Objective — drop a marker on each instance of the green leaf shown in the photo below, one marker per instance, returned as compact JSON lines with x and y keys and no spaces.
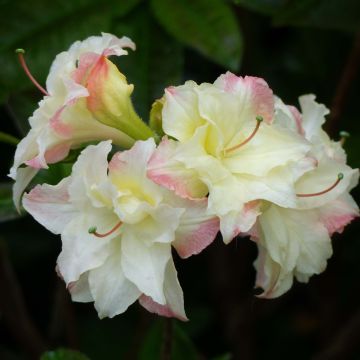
{"x":181,"y":346}
{"x":45,"y":30}
{"x":209,"y":26}
{"x":8,"y":139}
{"x":7,"y":208}
{"x":267,"y":7}
{"x":157,"y":62}
{"x":226,"y":356}
{"x":327,"y":14}
{"x":63,"y":354}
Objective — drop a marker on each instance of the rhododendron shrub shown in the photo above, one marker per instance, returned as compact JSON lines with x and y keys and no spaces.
{"x":227,"y":157}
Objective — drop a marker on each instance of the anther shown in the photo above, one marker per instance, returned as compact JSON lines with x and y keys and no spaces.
{"x":339,"y":178}
{"x":343,"y":136}
{"x":21,"y":53}
{"x":259,"y":120}
{"x":93,"y":230}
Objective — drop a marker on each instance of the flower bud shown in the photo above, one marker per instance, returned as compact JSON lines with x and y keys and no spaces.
{"x":109,"y":100}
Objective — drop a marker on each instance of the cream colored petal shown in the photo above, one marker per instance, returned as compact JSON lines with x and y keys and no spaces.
{"x":313,"y":115}
{"x":293,"y":241}
{"x":272,"y":146}
{"x":174,"y":306}
{"x":51,"y":206}
{"x":166,"y":170}
{"x":145,"y":265}
{"x":113,"y":293}
{"x":180,"y":111}
{"x":80,"y":290}
{"x":82,"y":251}
{"x":323,"y":177}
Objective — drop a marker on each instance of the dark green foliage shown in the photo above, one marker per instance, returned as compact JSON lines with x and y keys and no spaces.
{"x":63,"y":354}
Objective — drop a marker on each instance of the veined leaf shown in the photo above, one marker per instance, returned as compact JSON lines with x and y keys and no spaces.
{"x":209,"y":26}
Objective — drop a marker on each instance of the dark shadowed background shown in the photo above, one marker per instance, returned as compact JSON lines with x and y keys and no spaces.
{"x":298,"y":46}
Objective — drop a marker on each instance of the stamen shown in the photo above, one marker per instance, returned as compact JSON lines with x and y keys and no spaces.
{"x":339,"y":178}
{"x":21,"y":53}
{"x":259,"y":119}
{"x":343,"y":136}
{"x":92,"y":230}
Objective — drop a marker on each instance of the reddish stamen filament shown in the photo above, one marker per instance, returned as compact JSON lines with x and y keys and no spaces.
{"x":21,"y":53}
{"x":340,"y":177}
{"x":93,"y":231}
{"x":259,"y":119}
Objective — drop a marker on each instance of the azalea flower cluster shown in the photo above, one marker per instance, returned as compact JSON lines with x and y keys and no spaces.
{"x":226,"y":157}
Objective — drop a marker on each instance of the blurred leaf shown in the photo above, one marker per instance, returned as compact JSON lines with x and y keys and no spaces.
{"x":46,"y":29}
{"x":63,"y":354}
{"x":7,"y":208}
{"x":181,"y":347}
{"x":157,"y":63}
{"x":327,"y":14}
{"x":210,"y":26}
{"x":8,"y":139}
{"x":226,"y":356}
{"x":267,"y":7}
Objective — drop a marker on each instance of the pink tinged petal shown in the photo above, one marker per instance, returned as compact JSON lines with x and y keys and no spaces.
{"x":197,"y":230}
{"x":193,"y":238}
{"x":23,"y":178}
{"x":85,"y":64}
{"x":50,"y":205}
{"x":236,"y":222}
{"x":298,"y":119}
{"x":53,"y":155}
{"x":61,"y":129}
{"x":166,"y":171}
{"x":270,"y":277}
{"x":57,"y":153}
{"x":74,"y":92}
{"x":145,"y":265}
{"x":80,"y":290}
{"x":38,"y":162}
{"x":174,"y":306}
{"x":336,"y":214}
{"x":113,"y":293}
{"x":260,"y":95}
{"x":115,"y":45}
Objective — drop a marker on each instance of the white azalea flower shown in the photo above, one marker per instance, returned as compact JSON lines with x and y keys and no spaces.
{"x":128,"y":255}
{"x":296,"y":242}
{"x":87,"y":99}
{"x":227,"y":146}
